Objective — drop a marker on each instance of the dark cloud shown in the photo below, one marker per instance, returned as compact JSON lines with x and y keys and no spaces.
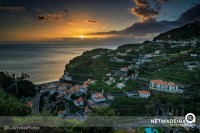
{"x":144,"y":11}
{"x":56,"y":17}
{"x":144,"y":28}
{"x":12,"y":8}
{"x":158,"y":3}
{"x":91,"y":21}
{"x":42,"y":18}
{"x":152,"y":26}
{"x":191,"y":14}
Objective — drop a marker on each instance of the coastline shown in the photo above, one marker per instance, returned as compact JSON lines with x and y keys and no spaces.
{"x":44,"y":63}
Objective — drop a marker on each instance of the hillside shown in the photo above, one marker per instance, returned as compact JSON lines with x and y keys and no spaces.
{"x":186,"y":32}
{"x":11,"y":106}
{"x":169,"y":61}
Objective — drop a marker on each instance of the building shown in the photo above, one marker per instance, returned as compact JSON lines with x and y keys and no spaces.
{"x":88,"y":82}
{"x":124,"y":69}
{"x":165,"y":86}
{"x":115,"y":59}
{"x":96,"y":56}
{"x":144,"y":94}
{"x":128,"y":50}
{"x":157,"y":52}
{"x":124,"y":78}
{"x":109,"y":97}
{"x":142,"y":60}
{"x":194,"y":55}
{"x":86,"y":109}
{"x":98,"y":97}
{"x":29,"y":104}
{"x":78,"y":102}
{"x":62,"y":86}
{"x":132,"y":93}
{"x":61,"y":113}
{"x":66,"y":77}
{"x":192,"y":66}
{"x":51,"y":88}
{"x":110,"y":81}
{"x":121,"y":54}
{"x":121,"y":85}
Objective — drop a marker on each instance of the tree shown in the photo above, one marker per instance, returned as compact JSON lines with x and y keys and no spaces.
{"x":53,"y":97}
{"x":26,"y":88}
{"x":10,"y":106}
{"x":74,"y":97}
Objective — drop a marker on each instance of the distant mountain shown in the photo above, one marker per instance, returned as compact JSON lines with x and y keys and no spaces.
{"x":186,"y":32}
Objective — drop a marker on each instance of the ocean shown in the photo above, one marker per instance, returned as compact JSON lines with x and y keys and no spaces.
{"x":43,"y":62}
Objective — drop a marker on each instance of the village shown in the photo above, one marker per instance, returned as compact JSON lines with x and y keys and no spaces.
{"x":63,"y":98}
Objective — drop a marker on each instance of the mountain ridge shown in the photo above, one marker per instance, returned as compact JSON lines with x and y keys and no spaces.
{"x":187,"y":32}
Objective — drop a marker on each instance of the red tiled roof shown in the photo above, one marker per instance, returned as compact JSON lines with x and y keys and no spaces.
{"x":88,"y":82}
{"x":29,"y":104}
{"x":50,"y":87}
{"x":143,"y":92}
{"x":61,"y":85}
{"x":59,"y":96}
{"x":163,"y":82}
{"x":75,"y":88}
{"x":61,"y":112}
{"x":98,"y":96}
{"x":79,"y":100}
{"x":124,"y":68}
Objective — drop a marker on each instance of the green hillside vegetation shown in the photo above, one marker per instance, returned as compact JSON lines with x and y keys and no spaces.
{"x":169,"y":67}
{"x":175,"y":72}
{"x":11,"y":106}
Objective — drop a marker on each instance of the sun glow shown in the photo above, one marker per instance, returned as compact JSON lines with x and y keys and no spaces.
{"x":81,"y":37}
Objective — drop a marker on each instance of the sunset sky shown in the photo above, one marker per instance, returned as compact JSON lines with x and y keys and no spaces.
{"x":91,"y":21}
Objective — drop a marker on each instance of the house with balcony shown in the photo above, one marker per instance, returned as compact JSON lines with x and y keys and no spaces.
{"x":165,"y":86}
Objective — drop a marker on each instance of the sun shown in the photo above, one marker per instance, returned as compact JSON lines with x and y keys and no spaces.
{"x":81,"y":37}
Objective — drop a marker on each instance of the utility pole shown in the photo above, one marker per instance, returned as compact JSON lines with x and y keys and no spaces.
{"x":1,"y":82}
{"x":16,"y":86}
{"x":168,"y":57}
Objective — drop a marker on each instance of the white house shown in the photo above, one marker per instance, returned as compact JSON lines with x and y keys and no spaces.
{"x":110,"y":81}
{"x":96,"y":56}
{"x":109,"y":97}
{"x":157,"y":52}
{"x":192,"y":66}
{"x":132,"y":93}
{"x":121,"y":54}
{"x":98,"y":97}
{"x":61,"y":113}
{"x":194,"y":55}
{"x":165,"y":86}
{"x":115,"y":59}
{"x":128,"y":50}
{"x":144,"y":94}
{"x":121,"y":85}
{"x":66,"y":77}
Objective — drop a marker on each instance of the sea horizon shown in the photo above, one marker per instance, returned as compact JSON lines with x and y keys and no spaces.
{"x":43,"y":62}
